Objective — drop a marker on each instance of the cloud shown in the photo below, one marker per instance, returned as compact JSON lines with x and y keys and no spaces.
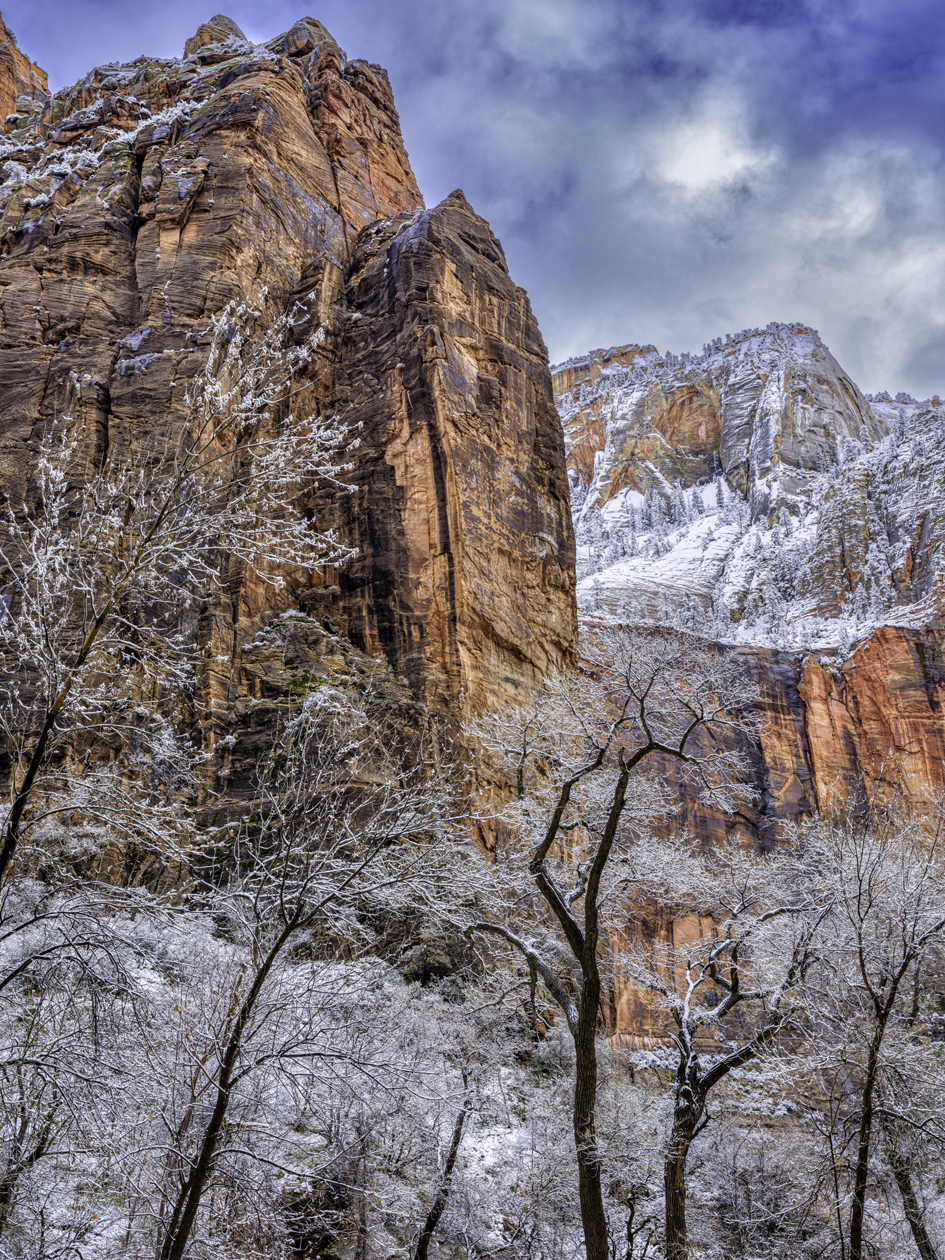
{"x":658,"y":170}
{"x":709,"y":150}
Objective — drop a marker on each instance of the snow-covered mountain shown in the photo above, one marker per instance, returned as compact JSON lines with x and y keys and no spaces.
{"x":753,"y":492}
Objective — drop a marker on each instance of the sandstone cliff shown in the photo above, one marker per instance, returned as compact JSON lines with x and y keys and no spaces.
{"x":828,"y":731}
{"x":462,"y":515}
{"x":137,"y":203}
{"x":23,"y":84}
{"x":752,"y":493}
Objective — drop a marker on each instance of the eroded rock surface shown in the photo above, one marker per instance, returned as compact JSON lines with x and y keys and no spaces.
{"x":754,"y":491}
{"x":137,"y":203}
{"x":829,"y":734}
{"x":462,"y":514}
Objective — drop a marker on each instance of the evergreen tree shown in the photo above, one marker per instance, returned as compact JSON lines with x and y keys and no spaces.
{"x":678,"y":511}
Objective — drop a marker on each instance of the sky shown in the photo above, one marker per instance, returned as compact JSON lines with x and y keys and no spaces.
{"x":660,"y":171}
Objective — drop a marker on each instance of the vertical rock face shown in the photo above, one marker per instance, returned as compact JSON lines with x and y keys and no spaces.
{"x":770,"y":407}
{"x":575,"y":380}
{"x":828,"y":732}
{"x":462,"y":515}
{"x":23,"y":84}
{"x":136,"y":204}
{"x":879,"y":720}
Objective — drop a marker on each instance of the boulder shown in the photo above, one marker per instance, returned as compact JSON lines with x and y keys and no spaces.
{"x":219,"y":30}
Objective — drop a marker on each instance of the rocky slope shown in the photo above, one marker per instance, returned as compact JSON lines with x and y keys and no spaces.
{"x":137,"y":203}
{"x":754,"y":491}
{"x":755,"y":495}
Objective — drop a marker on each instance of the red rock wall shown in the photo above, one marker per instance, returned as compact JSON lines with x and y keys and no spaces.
{"x":123,"y":230}
{"x":466,"y":567}
{"x":825,"y":733}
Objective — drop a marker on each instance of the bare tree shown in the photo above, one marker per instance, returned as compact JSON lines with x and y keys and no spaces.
{"x":733,"y":977}
{"x":886,"y":871}
{"x":97,"y":575}
{"x":445,"y":1181}
{"x":574,"y":759}
{"x":343,"y":829}
{"x":67,"y":984}
{"x":101,"y":572}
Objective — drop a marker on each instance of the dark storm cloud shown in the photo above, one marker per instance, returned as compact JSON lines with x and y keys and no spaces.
{"x":658,"y":170}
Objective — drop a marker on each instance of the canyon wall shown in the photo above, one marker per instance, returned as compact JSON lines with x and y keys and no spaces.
{"x":137,"y":203}
{"x":755,"y":496}
{"x":462,"y":516}
{"x":828,"y":735}
{"x":752,"y":494}
{"x":829,"y":732}
{"x":756,"y":488}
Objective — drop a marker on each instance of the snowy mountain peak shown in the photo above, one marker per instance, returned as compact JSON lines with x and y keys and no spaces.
{"x":752,"y":490}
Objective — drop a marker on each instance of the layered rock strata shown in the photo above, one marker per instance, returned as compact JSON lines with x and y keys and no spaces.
{"x":755,"y":490}
{"x":136,"y":204}
{"x":828,"y":732}
{"x":23,"y":84}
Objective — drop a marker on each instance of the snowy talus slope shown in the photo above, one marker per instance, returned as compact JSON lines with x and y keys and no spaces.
{"x":753,"y":492}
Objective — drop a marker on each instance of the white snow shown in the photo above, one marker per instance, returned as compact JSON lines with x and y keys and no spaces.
{"x":749,"y":567}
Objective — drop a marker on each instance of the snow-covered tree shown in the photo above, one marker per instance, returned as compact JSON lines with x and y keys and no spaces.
{"x":102,"y":572}
{"x":576,"y":756}
{"x":678,"y":512}
{"x":185,"y":1047}
{"x":729,"y":985}
{"x":885,"y":871}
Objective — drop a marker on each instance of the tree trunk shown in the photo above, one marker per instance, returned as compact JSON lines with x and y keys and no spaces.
{"x":910,"y":1200}
{"x":7,"y":1186}
{"x":17,"y":1165}
{"x":863,"y":1148}
{"x":593,"y":1216}
{"x":685,"y":1119}
{"x":184,"y":1214}
{"x":442,"y":1194}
